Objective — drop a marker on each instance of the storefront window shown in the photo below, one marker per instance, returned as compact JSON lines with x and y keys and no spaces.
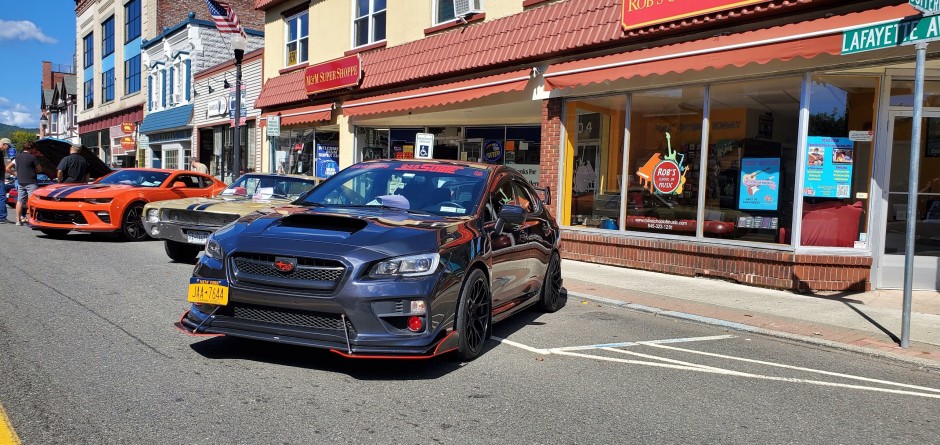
{"x":596,"y":161}
{"x":372,"y":143}
{"x":902,"y":93}
{"x":307,"y":151}
{"x":665,"y":151}
{"x":838,"y":165}
{"x":752,"y":147}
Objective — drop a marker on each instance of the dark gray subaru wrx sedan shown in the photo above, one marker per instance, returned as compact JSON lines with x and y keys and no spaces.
{"x":386,"y":259}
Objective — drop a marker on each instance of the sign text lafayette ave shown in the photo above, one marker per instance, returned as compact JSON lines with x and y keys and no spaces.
{"x":887,"y":35}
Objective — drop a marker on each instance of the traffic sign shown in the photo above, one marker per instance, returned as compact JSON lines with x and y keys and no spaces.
{"x":274,"y":126}
{"x":926,"y":6}
{"x":888,"y":35}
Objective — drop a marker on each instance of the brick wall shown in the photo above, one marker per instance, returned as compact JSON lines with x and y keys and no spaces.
{"x":758,"y":267}
{"x":550,"y":148}
{"x":171,"y":12}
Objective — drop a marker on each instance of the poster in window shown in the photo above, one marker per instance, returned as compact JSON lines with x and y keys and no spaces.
{"x":760,"y":184}
{"x":828,"y":167}
{"x":327,"y":160}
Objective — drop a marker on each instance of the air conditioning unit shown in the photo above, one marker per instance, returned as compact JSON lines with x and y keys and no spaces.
{"x":464,"y":8}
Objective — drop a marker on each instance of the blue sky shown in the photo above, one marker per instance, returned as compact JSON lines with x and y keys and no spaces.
{"x":31,"y":31}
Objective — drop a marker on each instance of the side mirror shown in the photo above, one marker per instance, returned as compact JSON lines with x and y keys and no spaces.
{"x":178,"y":185}
{"x":512,"y":214}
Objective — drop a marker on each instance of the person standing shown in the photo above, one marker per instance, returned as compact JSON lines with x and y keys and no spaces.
{"x":199,"y":167}
{"x":73,"y":168}
{"x":25,"y":170}
{"x":5,"y":145}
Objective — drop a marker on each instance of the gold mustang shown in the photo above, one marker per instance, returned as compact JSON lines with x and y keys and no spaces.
{"x":185,"y":224}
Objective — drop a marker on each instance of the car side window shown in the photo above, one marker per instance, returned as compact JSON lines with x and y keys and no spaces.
{"x":192,"y":182}
{"x":502,"y":194}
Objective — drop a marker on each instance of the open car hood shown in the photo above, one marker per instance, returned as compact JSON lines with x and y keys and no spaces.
{"x":53,"y":150}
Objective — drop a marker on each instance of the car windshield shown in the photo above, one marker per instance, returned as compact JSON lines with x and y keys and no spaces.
{"x":138,"y":178}
{"x":434,"y":188}
{"x":261,"y":187}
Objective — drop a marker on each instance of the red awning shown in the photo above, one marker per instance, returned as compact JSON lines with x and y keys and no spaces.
{"x":805,"y":39}
{"x":439,"y":95}
{"x":304,"y":115}
{"x":135,"y":115}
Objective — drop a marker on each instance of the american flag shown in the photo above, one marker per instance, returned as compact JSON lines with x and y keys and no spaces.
{"x":225,"y":19}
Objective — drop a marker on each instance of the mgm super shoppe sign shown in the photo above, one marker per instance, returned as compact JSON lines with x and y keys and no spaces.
{"x":891,"y":34}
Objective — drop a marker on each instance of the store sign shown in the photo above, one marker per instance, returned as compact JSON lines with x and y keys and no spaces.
{"x":640,"y":13}
{"x":128,"y":127}
{"x":128,"y":143}
{"x":664,"y":175}
{"x":327,"y":160}
{"x":926,"y":6}
{"x":828,"y":167}
{"x":492,"y":151}
{"x":345,"y":72}
{"x":861,"y":136}
{"x":892,"y":34}
{"x":425,"y":144}
{"x":760,"y":184}
{"x":216,"y":107}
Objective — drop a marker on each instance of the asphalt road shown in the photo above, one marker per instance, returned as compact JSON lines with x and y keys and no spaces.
{"x":88,"y":355}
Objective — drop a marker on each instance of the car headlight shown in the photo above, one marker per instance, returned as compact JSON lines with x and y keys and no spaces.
{"x":153,"y":215}
{"x":98,"y":200}
{"x":407,"y":266}
{"x":214,"y":250}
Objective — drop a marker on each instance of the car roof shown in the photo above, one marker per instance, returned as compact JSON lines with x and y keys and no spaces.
{"x":480,"y":165}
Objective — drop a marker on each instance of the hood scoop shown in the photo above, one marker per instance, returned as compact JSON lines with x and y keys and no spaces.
{"x":323,"y":222}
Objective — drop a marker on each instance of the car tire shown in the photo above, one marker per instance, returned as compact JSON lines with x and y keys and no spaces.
{"x":474,"y":316}
{"x":550,"y":297}
{"x":181,"y":252}
{"x":55,"y":233}
{"x":132,"y":226}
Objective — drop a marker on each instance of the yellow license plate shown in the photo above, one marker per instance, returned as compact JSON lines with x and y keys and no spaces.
{"x":208,"y":291}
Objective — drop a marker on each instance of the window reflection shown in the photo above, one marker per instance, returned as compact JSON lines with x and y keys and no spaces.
{"x":596,"y":133}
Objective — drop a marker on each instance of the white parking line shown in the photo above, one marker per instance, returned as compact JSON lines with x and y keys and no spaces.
{"x":664,"y":362}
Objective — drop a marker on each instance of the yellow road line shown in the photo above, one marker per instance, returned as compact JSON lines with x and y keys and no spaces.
{"x":7,"y":434}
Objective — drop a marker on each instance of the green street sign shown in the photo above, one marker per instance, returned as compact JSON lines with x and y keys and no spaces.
{"x":926,"y":6}
{"x":888,"y":35}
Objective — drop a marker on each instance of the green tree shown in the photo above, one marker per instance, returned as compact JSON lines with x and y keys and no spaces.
{"x":21,"y":137}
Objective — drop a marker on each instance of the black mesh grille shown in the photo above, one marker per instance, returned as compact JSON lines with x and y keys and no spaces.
{"x":307,"y":269}
{"x":197,"y":217}
{"x":60,"y":217}
{"x":316,"y":320}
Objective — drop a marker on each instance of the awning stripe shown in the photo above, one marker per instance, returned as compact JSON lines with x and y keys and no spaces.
{"x":439,"y":95}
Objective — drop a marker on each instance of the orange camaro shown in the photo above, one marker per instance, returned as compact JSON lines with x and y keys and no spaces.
{"x":115,"y":202}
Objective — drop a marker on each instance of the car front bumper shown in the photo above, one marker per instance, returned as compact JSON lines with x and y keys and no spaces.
{"x":176,"y":232}
{"x":70,"y":215}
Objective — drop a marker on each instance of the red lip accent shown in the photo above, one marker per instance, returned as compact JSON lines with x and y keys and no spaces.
{"x":284,"y":266}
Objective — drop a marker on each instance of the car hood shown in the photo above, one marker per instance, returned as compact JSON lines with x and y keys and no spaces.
{"x":86,"y":191}
{"x":338,"y":232}
{"x":233,"y":205}
{"x":52,"y":150}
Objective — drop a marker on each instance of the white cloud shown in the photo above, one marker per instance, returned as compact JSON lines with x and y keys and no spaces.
{"x":17,"y":114}
{"x":22,"y":30}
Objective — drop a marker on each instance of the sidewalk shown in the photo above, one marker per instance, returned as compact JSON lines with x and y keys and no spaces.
{"x":867,"y":322}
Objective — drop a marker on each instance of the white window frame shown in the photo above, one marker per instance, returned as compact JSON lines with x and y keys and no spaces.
{"x":54,"y":123}
{"x":435,"y":5}
{"x":302,"y":17}
{"x":179,"y":82}
{"x":156,"y":91}
{"x":370,"y":18}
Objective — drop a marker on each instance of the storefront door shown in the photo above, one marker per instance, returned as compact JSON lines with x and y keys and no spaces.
{"x":895,"y":199}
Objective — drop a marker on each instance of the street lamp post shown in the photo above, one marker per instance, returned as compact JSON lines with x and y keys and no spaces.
{"x":43,"y":124}
{"x":238,"y":46}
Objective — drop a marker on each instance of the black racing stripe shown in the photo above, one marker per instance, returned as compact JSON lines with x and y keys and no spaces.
{"x":56,"y":192}
{"x":74,"y":189}
{"x":192,"y":206}
{"x":206,"y":206}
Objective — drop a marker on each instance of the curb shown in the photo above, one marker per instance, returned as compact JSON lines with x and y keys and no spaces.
{"x":928,"y":364}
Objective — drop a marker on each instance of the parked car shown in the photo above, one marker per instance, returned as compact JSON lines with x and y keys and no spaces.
{"x":185,"y":224}
{"x":405,"y":258}
{"x":115,"y":202}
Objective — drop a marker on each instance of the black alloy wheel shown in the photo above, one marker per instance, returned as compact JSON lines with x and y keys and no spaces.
{"x":181,"y":252}
{"x":474,"y":316}
{"x":550,"y":299}
{"x":55,"y":233}
{"x":132,"y":227}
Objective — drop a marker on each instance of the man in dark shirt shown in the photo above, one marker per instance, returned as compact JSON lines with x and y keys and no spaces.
{"x":73,"y":168}
{"x":25,"y":169}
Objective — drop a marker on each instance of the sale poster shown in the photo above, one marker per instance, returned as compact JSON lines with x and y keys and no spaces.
{"x":760,"y":184}
{"x":828,"y":167}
